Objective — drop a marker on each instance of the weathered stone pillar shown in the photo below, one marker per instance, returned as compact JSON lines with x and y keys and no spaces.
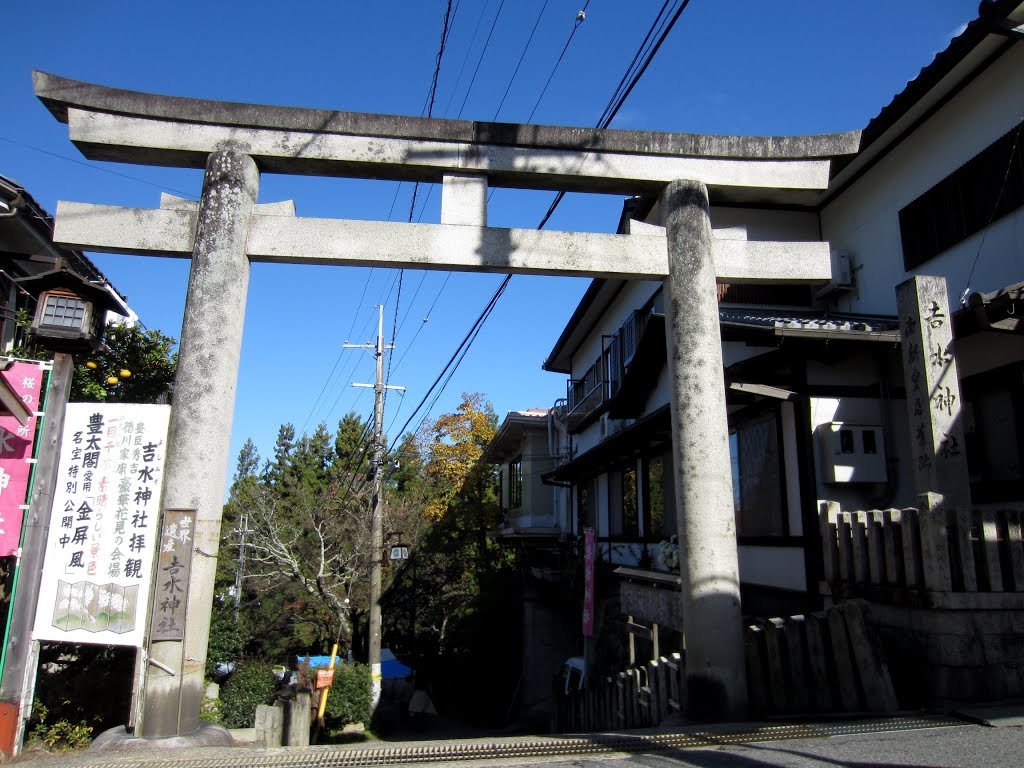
{"x":712,"y":621}
{"x":933,"y":390}
{"x":200,"y":430}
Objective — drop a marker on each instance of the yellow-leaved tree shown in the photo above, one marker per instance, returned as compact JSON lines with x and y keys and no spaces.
{"x":452,"y":446}
{"x":451,"y":606}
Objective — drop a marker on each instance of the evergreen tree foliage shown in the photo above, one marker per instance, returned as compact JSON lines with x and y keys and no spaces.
{"x":448,"y":610}
{"x":306,"y":522}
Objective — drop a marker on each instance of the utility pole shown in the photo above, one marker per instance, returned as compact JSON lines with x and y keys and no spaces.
{"x":377,"y":514}
{"x":240,"y":569}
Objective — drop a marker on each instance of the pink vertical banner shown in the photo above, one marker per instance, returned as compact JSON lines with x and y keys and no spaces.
{"x":589,"y":558}
{"x":16,"y":441}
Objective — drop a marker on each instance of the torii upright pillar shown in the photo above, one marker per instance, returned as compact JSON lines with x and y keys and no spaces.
{"x":199,"y":436}
{"x":716,"y":685}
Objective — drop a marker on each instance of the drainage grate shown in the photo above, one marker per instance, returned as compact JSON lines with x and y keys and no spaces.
{"x":881,"y":725}
{"x":330,"y":757}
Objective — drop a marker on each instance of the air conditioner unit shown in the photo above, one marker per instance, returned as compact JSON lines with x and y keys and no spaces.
{"x":842,"y":276}
{"x":609,"y":426}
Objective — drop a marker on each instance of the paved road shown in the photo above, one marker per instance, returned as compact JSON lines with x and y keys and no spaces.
{"x":964,"y":747}
{"x":868,"y":744}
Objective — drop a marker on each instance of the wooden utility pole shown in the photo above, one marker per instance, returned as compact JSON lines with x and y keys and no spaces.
{"x":377,"y":513}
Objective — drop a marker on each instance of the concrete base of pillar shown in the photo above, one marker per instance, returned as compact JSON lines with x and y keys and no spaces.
{"x":119,"y":740}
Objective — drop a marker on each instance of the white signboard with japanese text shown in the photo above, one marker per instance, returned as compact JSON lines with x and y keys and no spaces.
{"x":104,"y":524}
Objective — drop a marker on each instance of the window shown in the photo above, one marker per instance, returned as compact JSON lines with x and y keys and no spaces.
{"x":870,"y":443}
{"x":659,"y":522}
{"x":846,"y":440}
{"x":630,"y":503}
{"x":63,"y":311}
{"x":980,"y":192}
{"x":515,"y":484}
{"x":586,"y":504}
{"x":639,"y":498}
{"x":757,"y":479}
{"x":994,"y":433}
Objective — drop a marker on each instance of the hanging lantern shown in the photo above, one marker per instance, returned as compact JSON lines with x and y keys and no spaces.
{"x":70,"y":311}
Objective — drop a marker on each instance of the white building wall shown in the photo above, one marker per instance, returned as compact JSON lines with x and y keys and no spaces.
{"x":898,"y":491}
{"x":864,"y":220}
{"x":538,"y":499}
{"x":779,"y":567}
{"x":764,"y":225}
{"x":503,"y":495}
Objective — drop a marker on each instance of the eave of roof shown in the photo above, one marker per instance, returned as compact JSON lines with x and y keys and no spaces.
{"x":873,"y":143}
{"x":810,"y":325}
{"x":970,"y":52}
{"x":34,"y":216}
{"x":598,"y":296}
{"x":998,"y":311}
{"x":506,"y":441}
{"x":652,"y":430}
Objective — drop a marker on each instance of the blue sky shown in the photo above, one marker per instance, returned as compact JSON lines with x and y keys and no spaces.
{"x":729,"y":66}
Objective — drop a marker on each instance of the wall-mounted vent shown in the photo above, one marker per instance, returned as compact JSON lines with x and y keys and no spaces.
{"x":852,"y":453}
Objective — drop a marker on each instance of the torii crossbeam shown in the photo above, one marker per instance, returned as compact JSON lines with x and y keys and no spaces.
{"x":227,"y":230}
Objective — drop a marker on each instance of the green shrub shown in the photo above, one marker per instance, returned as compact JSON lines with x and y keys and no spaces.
{"x":210,"y":711}
{"x":349,"y":700}
{"x":226,"y":637}
{"x":251,"y":684}
{"x":58,"y":736}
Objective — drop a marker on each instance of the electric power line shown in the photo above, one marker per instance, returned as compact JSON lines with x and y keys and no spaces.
{"x":579,"y":20}
{"x":480,"y":60}
{"x":521,"y":57}
{"x":619,"y":97}
{"x":95,"y":167}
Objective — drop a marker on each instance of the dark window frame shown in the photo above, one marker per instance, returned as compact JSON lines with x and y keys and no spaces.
{"x":985,"y":487}
{"x":979,"y":193}
{"x":515,"y":484}
{"x":738,"y":421}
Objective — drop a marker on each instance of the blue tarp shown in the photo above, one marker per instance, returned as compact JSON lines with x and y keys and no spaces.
{"x":390,"y":667}
{"x":318,"y":661}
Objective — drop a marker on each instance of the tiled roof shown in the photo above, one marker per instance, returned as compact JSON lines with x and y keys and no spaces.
{"x":784,"y":322}
{"x":990,"y":12}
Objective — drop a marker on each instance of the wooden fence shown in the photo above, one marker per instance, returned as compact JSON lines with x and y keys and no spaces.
{"x":931,"y":548}
{"x":640,"y":697}
{"x":823,"y":662}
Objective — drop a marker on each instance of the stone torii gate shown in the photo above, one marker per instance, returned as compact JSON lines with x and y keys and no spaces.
{"x":227,"y":230}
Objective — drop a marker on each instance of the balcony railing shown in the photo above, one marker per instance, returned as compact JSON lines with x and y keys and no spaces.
{"x":586,"y":394}
{"x":590,"y":394}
